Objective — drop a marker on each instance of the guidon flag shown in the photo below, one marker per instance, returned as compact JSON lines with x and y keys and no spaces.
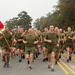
{"x":1,"y":25}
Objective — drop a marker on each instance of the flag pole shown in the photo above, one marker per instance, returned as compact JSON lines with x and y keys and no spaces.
{"x":1,"y":27}
{"x":6,"y":40}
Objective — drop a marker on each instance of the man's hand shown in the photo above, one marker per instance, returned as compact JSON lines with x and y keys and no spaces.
{"x":69,"y":37}
{"x":19,"y":40}
{"x":14,"y":40}
{"x":57,"y":45}
{"x":50,"y":41}
{"x":35,"y":42}
{"x":25,"y":42}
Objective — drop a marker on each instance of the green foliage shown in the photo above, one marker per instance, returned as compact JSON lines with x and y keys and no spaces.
{"x":38,"y":22}
{"x":63,"y":16}
{"x":22,"y":20}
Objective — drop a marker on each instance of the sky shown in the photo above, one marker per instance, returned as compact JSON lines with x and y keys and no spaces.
{"x":34,"y":8}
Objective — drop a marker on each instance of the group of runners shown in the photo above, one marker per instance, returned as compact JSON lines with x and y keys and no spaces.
{"x":28,"y":44}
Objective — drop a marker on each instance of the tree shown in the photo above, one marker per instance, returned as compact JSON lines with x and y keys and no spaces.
{"x":63,"y":16}
{"x":12,"y":23}
{"x":67,"y":11}
{"x":38,"y":22}
{"x":22,"y":20}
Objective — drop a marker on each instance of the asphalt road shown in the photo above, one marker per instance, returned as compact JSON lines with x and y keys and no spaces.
{"x":38,"y":67}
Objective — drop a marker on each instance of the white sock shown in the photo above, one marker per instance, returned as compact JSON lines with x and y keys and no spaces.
{"x":52,"y":67}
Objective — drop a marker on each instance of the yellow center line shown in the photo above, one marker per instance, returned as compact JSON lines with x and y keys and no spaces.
{"x":73,"y":57}
{"x":73,"y":60}
{"x":63,"y":68}
{"x":67,"y":67}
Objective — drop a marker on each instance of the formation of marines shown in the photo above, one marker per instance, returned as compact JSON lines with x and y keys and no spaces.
{"x":28,"y":44}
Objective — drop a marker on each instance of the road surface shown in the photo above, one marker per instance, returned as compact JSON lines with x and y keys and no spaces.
{"x":38,"y":67}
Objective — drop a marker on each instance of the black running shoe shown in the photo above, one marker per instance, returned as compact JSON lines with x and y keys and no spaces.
{"x":30,"y":67}
{"x":39,"y":53}
{"x":23,"y":56}
{"x":74,"y":52}
{"x":16,"y":54}
{"x":56,"y":62}
{"x":44,"y":60}
{"x":5,"y":64}
{"x":52,"y":69}
{"x":20,"y":60}
{"x":49,"y":67}
{"x":36,"y":55}
{"x":60,"y":57}
{"x":67,"y":60}
{"x":28,"y":62}
{"x":34,"y":58}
